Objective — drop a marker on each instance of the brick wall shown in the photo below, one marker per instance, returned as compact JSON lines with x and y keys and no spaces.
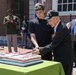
{"x":3,"y":9}
{"x":4,"y":5}
{"x":48,"y":5}
{"x":26,"y":8}
{"x":67,"y":18}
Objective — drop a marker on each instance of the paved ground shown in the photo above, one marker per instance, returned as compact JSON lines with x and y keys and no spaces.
{"x":5,"y":49}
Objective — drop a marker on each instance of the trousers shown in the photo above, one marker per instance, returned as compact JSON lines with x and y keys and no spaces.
{"x":12,"y":39}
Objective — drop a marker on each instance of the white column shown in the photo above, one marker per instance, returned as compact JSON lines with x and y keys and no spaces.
{"x":43,"y":1}
{"x":31,"y":9}
{"x":54,"y":4}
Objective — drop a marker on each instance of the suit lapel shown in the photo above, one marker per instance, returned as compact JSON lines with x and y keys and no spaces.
{"x":59,"y":27}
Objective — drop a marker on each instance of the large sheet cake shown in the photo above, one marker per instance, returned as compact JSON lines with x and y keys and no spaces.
{"x":20,"y":59}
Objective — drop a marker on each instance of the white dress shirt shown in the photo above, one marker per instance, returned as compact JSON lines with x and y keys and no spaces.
{"x":56,"y":27}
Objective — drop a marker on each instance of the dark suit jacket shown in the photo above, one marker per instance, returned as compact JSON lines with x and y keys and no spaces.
{"x":61,"y":46}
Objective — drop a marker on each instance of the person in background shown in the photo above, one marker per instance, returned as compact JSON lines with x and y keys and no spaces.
{"x":12,"y":24}
{"x":61,"y":44}
{"x":24,"y":30}
{"x":40,"y":33}
{"x":72,"y":27}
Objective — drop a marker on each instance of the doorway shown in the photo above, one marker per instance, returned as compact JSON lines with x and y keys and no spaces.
{"x":18,"y":8}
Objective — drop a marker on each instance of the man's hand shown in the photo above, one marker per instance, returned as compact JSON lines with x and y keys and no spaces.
{"x":35,"y":51}
{"x":10,"y":21}
{"x":68,"y":25}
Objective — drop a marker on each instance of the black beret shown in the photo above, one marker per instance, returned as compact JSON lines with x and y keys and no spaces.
{"x":51,"y":13}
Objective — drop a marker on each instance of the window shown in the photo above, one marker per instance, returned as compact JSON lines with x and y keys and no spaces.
{"x":66,"y":5}
{"x":17,"y":5}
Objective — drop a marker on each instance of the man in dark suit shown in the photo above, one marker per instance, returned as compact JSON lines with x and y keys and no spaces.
{"x":61,"y":44}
